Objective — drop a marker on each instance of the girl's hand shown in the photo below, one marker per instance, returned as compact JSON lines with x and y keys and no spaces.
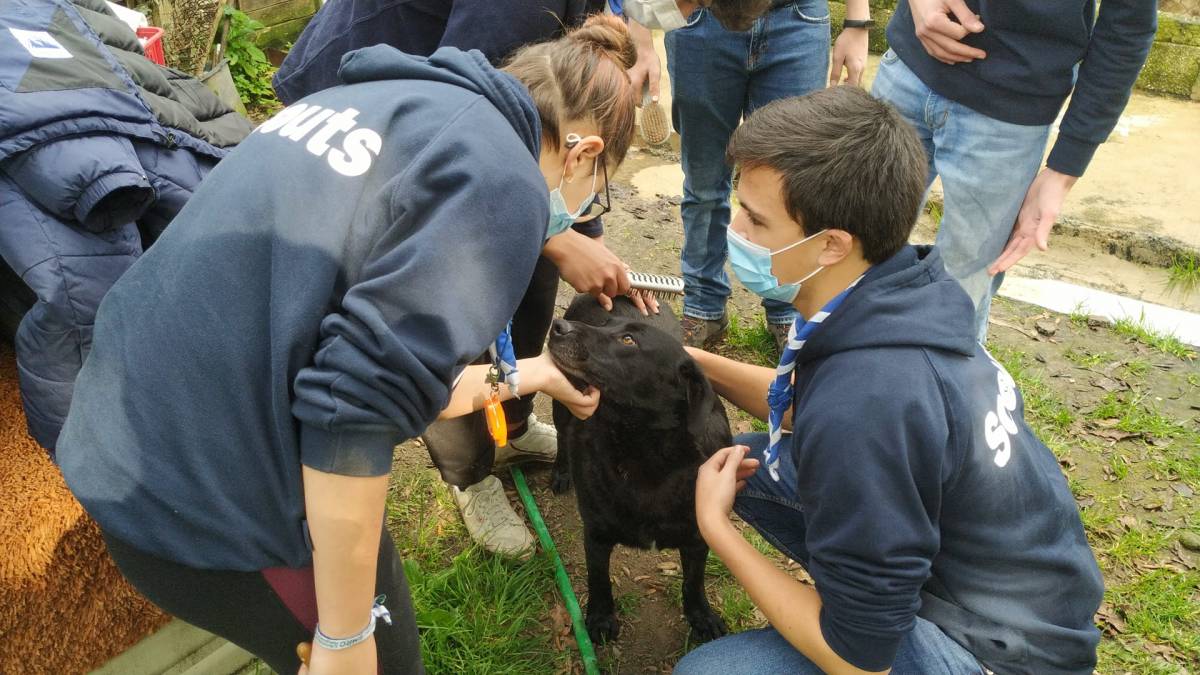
{"x":357,"y":660}
{"x":718,"y":482}
{"x":554,"y":384}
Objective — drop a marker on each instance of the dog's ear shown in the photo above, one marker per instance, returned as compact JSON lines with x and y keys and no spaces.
{"x":700,"y":397}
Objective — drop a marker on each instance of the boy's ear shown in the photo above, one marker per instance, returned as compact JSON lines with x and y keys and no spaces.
{"x":839,"y":245}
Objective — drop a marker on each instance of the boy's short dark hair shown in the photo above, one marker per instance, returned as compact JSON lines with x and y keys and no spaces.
{"x":848,"y":161}
{"x":737,"y":15}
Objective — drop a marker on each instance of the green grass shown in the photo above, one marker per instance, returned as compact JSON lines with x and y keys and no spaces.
{"x":478,"y":613}
{"x":1079,"y":315}
{"x":1141,"y":541}
{"x":1137,"y":367}
{"x":1163,"y":606}
{"x":1135,"y":415}
{"x":1168,"y":344}
{"x":1183,"y":276}
{"x":750,"y":341}
{"x":736,"y":607}
{"x":1086,"y":359}
{"x":1046,"y":412}
{"x":935,"y":211}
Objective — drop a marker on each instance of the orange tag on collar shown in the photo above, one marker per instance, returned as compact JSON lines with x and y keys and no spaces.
{"x":497,"y":425}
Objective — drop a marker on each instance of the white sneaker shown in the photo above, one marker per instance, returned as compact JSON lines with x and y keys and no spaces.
{"x":539,"y":443}
{"x":491,"y":520}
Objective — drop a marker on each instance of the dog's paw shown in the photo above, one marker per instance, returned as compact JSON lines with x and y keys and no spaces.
{"x":707,"y":626}
{"x":602,"y":627}
{"x":560,"y":482}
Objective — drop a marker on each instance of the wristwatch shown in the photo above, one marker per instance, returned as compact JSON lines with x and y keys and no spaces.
{"x":858,"y":23}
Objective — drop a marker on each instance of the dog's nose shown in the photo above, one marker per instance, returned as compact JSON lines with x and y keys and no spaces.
{"x":560,"y":327}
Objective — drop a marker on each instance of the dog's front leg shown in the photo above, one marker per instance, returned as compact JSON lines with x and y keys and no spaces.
{"x":560,"y":476}
{"x":602,"y":624}
{"x":706,"y":624}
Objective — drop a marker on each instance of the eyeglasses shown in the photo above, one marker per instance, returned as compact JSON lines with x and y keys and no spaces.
{"x":598,"y":207}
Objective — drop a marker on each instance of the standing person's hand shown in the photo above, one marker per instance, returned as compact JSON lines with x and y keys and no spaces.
{"x":646,"y":71}
{"x":1036,"y":218}
{"x":357,"y":660}
{"x":850,"y":54}
{"x":940,"y":35}
{"x":588,"y":266}
{"x":718,"y":482}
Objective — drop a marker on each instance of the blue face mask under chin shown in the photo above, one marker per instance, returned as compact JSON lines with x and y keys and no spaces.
{"x":751,"y":264}
{"x":560,"y":217}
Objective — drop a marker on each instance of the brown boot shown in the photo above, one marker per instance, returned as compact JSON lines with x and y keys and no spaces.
{"x":703,"y":333}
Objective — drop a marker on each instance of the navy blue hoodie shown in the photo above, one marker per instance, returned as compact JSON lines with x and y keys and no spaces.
{"x":924,"y":491}
{"x":1033,"y":48}
{"x":494,"y":27}
{"x":310,"y":305}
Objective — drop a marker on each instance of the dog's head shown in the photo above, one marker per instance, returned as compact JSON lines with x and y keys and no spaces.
{"x":635,"y":366}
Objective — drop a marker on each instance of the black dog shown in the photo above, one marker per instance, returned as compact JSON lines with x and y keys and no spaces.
{"x":634,"y":461}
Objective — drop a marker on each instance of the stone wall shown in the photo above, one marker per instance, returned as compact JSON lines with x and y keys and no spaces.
{"x":1173,"y":67}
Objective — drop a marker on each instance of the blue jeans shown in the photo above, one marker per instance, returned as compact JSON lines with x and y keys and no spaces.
{"x":717,"y":77}
{"x":772,"y":508}
{"x":986,"y":167}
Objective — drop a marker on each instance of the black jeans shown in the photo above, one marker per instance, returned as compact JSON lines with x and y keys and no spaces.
{"x":269,"y":612}
{"x":461,"y":448}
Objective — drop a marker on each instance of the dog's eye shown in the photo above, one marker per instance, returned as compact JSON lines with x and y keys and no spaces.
{"x":628,"y":341}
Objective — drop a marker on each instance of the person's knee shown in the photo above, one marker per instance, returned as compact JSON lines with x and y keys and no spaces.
{"x":703,"y":660}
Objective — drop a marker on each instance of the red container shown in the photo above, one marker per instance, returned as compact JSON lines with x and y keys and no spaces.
{"x":153,"y":47}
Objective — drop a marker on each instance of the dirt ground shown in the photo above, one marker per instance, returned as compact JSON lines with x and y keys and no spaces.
{"x":1129,"y":480}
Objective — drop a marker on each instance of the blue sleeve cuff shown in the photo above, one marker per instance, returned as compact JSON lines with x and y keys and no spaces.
{"x":592,"y":228}
{"x":113,"y":199}
{"x":866,"y":652}
{"x":348,"y":453}
{"x":1071,"y":156}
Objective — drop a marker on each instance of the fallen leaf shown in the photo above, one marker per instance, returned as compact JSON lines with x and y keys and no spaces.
{"x":1108,"y":384}
{"x":1129,"y":522}
{"x":1161,"y":650}
{"x":1113,"y":434}
{"x":560,"y":625}
{"x":641,"y":577}
{"x":1112,"y":622}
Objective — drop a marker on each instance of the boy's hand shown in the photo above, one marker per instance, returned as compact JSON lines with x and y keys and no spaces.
{"x":718,"y":482}
{"x":1036,"y":218}
{"x":850,"y":53}
{"x":941,"y":36}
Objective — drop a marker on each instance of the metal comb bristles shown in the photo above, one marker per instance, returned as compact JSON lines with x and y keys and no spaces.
{"x":661,"y":285}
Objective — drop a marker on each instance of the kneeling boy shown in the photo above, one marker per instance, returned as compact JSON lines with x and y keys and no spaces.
{"x":939,"y":531}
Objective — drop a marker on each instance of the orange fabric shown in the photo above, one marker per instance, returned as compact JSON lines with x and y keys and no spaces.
{"x":64,"y":606}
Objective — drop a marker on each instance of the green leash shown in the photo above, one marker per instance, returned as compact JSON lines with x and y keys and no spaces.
{"x":586,"y":651}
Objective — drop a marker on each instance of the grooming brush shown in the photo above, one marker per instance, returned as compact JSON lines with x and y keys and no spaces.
{"x":660,"y":285}
{"x":655,"y":128}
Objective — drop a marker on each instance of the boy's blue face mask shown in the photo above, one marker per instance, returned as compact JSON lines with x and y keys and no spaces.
{"x":751,"y":264}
